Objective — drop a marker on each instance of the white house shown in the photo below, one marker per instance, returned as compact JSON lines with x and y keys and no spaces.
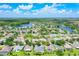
{"x":67,"y":46}
{"x":76,"y":44}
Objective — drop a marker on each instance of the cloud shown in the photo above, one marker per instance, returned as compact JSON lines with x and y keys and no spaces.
{"x":5,"y":6}
{"x":77,"y":12}
{"x":63,"y":11}
{"x":16,"y":11}
{"x":46,"y":11}
{"x":25,"y":7}
{"x":1,"y":11}
{"x":52,"y":11}
{"x":57,"y":5}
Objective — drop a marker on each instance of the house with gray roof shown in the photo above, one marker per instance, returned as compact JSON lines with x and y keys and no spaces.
{"x":57,"y":47}
{"x":39,"y":48}
{"x":18,"y":48}
{"x":5,"y":50}
{"x":28,"y":48}
{"x":50,"y":48}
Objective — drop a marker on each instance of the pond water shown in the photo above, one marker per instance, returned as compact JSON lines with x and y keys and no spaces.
{"x":66,"y":28}
{"x":25,"y":25}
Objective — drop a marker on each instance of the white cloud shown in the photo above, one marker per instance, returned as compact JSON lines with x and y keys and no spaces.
{"x":77,"y":12}
{"x":62,"y":11}
{"x":25,"y":7}
{"x":17,"y":11}
{"x":47,"y":11}
{"x":1,"y":11}
{"x":5,"y":6}
{"x":57,"y":5}
{"x":52,"y":11}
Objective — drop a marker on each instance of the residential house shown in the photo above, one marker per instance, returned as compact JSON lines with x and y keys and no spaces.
{"x":18,"y":48}
{"x":28,"y":48}
{"x":57,"y":47}
{"x":68,"y":46}
{"x":57,"y":39}
{"x":39,"y":48}
{"x":50,"y":48}
{"x":35,"y":40}
{"x":42,"y":39}
{"x":19,"y":39}
{"x":5,"y":50}
{"x":76,"y":44}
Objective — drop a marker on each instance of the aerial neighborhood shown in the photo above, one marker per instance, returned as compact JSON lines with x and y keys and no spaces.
{"x":39,"y":38}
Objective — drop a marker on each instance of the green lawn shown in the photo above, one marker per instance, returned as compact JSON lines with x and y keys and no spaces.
{"x":73,"y":52}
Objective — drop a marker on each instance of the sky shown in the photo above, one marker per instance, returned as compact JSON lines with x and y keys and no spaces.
{"x":39,"y":10}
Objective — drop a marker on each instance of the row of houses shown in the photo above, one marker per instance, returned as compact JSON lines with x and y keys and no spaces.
{"x":52,"y":47}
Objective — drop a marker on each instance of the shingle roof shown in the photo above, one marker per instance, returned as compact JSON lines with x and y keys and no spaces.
{"x":28,"y":48}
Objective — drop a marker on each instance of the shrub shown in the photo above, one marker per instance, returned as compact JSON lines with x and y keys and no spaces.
{"x":9,"y":41}
{"x":46,"y":43}
{"x":60,"y":42}
{"x":59,"y":53}
{"x":28,"y":42}
{"x":52,"y":41}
